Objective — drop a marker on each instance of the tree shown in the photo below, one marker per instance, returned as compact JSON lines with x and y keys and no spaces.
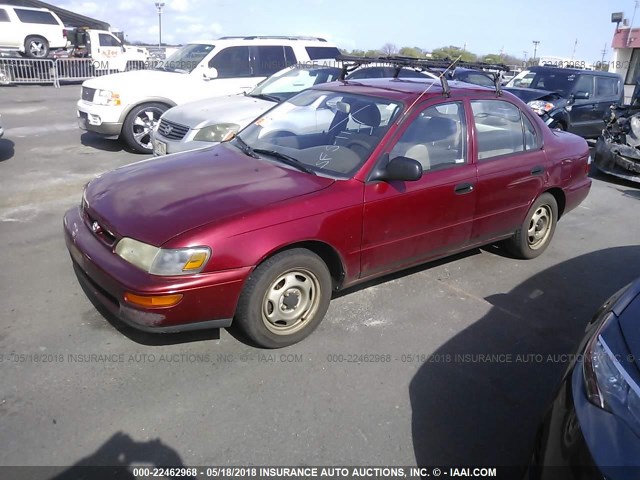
{"x":453,"y":53}
{"x":411,"y":52}
{"x":389,"y":49}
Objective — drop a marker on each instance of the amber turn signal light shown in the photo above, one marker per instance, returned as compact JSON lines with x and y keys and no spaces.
{"x":153,"y":301}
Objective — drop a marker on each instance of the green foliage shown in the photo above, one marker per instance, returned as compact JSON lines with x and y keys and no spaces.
{"x":453,"y":53}
{"x":411,"y":52}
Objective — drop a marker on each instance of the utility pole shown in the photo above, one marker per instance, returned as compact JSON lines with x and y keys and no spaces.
{"x":604,"y":52}
{"x":535,"y":50}
{"x":575,"y":45}
{"x":524,"y":52}
{"x":159,"y":6}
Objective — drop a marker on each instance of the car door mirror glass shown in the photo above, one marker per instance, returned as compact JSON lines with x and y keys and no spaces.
{"x":402,"y":169}
{"x":581,"y":95}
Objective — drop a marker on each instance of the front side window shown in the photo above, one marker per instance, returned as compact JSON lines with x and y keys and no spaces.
{"x":329,"y":133}
{"x":584,"y":84}
{"x":187,"y":58}
{"x":35,"y":16}
{"x":232,"y":62}
{"x":108,"y":41}
{"x":435,"y":138}
{"x":501,"y":129}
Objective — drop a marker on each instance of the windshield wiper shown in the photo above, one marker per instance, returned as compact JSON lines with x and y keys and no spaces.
{"x":264,"y":96}
{"x":293,"y":162}
{"x":244,"y":148}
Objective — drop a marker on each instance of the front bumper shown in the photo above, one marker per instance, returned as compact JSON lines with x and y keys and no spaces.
{"x":615,"y":159}
{"x":209,"y":300}
{"x":101,"y":119}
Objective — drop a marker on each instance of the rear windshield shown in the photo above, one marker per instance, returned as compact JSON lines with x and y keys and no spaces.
{"x":318,"y":53}
{"x":35,"y":16}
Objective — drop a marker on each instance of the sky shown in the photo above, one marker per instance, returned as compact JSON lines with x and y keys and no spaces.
{"x":484,"y":26}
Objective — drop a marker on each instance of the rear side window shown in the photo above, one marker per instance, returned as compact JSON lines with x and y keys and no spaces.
{"x":318,"y":53}
{"x":607,"y":87}
{"x":35,"y":16}
{"x":232,"y":62}
{"x":501,"y":129}
{"x":4,"y":16}
{"x":477,"y":79}
{"x":268,"y":60}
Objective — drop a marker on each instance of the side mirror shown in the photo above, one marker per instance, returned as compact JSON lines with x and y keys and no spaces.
{"x":580,"y":95}
{"x":402,"y":169}
{"x":210,"y":73}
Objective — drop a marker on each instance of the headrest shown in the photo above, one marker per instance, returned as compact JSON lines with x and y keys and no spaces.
{"x":366,"y":114}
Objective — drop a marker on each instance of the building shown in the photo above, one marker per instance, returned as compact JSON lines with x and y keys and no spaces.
{"x":626,"y":57}
{"x":70,"y":19}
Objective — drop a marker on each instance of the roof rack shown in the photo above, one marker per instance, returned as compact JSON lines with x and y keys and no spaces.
{"x":439,"y":67}
{"x":271,"y":37}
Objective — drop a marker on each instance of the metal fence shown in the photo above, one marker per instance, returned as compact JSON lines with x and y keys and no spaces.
{"x":27,"y":70}
{"x":40,"y":71}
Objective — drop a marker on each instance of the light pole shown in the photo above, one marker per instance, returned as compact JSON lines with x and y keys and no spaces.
{"x":535,"y":50}
{"x":159,"y":6}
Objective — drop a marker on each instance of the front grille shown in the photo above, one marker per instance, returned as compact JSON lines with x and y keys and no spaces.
{"x":88,"y":93}
{"x":172,"y":131}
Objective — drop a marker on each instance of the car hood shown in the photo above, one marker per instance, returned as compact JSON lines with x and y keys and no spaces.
{"x":529,"y":94}
{"x":238,"y":109}
{"x":629,"y":322}
{"x":154,"y":200}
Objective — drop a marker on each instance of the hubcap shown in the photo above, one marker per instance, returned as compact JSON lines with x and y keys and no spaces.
{"x":144,"y":122}
{"x":36,"y":49}
{"x":539,"y":227}
{"x":291,"y":302}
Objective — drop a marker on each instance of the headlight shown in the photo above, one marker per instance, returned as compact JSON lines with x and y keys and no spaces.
{"x":106,"y":97}
{"x":635,"y":125}
{"x":541,"y":107}
{"x":163,"y":261}
{"x":608,"y":384}
{"x":216,"y":133}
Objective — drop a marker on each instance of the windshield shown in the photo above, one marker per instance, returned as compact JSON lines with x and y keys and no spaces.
{"x":330,"y":133}
{"x":186,"y":59}
{"x":286,"y":83}
{"x":554,"y":81}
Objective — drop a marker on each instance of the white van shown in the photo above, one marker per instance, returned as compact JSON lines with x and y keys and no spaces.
{"x":31,"y":31}
{"x":128,"y":105}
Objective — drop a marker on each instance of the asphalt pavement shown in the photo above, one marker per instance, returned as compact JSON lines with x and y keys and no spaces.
{"x":452,"y":363}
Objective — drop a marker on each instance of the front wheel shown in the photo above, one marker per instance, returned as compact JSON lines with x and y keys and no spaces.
{"x":535,"y":233}
{"x":137,"y":127}
{"x":285,"y":298}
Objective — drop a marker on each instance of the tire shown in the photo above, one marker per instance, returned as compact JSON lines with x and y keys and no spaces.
{"x":536,"y":232}
{"x":263,"y":313}
{"x":36,"y":47}
{"x":136,"y":129}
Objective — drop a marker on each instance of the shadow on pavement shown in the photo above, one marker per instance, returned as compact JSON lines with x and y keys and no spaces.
{"x":7,"y":149}
{"x":89,"y":139}
{"x":118,"y":454}
{"x":479,"y":399}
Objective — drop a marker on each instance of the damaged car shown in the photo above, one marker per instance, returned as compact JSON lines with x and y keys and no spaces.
{"x":569,"y":99}
{"x":618,"y":148}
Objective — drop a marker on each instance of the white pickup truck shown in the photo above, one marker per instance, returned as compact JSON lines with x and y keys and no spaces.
{"x":128,"y":105}
{"x":106,"y":51}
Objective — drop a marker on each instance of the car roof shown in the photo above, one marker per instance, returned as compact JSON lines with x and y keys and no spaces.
{"x":400,"y":89}
{"x":231,"y":41}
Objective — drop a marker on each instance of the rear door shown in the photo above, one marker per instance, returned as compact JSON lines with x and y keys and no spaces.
{"x":608,"y":92}
{"x":511,"y":167}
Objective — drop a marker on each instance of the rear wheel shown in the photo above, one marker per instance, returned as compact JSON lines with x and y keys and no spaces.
{"x":137,"y":127}
{"x":36,"y":47}
{"x":285,"y":298}
{"x":535,"y":233}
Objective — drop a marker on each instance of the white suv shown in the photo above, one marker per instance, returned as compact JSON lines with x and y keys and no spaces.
{"x":128,"y":105}
{"x":31,"y":31}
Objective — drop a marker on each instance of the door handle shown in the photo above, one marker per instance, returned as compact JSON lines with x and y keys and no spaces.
{"x":463,"y":188}
{"x":537,"y":170}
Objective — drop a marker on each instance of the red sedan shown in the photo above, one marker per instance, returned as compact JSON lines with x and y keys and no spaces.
{"x":371,"y":177}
